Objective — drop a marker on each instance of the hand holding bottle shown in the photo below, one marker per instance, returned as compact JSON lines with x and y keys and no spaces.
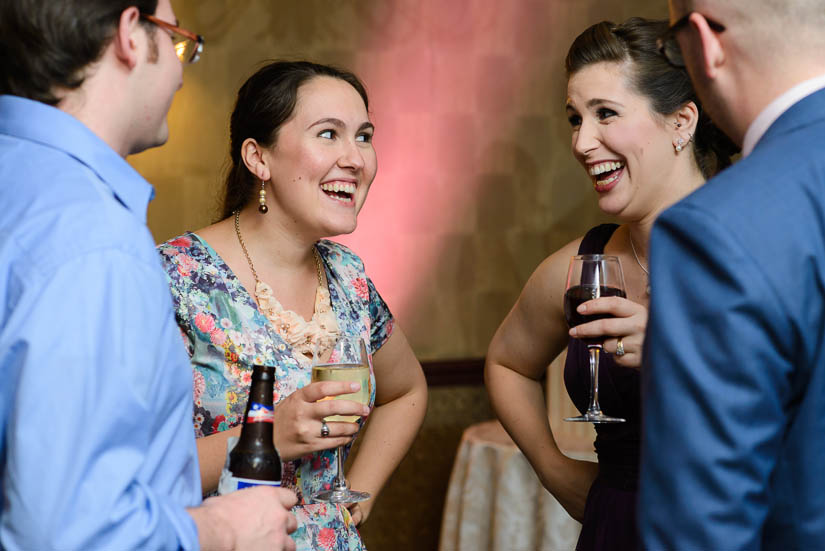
{"x":254,"y":518}
{"x":257,"y":516}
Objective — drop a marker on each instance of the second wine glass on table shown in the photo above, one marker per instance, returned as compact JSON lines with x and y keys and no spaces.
{"x":347,"y":361}
{"x":589,"y":277}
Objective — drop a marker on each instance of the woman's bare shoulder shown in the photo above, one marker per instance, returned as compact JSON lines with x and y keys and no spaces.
{"x":551,"y":275}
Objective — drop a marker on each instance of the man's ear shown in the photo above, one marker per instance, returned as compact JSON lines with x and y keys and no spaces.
{"x":713,"y":54}
{"x":126,"y":41}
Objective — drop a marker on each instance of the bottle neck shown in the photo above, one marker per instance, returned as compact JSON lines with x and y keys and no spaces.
{"x":260,"y":391}
{"x":258,"y":417}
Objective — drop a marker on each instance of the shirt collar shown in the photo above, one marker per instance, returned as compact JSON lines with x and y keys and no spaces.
{"x":49,"y":126}
{"x":775,"y":109}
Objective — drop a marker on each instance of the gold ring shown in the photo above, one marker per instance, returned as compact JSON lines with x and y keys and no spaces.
{"x":619,"y":347}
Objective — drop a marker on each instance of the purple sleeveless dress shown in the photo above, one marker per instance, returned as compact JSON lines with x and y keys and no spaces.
{"x":610,"y":512}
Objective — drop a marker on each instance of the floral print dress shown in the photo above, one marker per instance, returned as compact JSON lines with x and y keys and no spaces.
{"x":225,"y":334}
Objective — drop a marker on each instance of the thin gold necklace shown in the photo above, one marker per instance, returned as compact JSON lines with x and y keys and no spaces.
{"x":647,"y":274}
{"x":315,"y":255}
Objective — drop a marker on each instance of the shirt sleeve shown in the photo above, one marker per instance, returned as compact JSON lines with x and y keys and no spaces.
{"x":99,"y":445}
{"x":381,"y":318}
{"x":718,"y":356}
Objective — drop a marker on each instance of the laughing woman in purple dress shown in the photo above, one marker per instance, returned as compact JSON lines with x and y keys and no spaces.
{"x":641,"y":136}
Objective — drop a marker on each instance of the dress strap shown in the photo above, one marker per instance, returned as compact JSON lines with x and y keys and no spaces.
{"x":596,"y":238}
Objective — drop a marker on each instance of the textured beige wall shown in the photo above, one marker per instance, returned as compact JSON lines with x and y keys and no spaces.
{"x":467,"y":94}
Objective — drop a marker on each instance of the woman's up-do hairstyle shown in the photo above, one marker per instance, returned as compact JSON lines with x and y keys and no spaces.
{"x":667,"y":87}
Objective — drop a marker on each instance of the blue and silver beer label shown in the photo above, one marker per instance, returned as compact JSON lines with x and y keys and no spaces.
{"x":229,"y":483}
{"x":249,"y":483}
{"x":259,"y":413}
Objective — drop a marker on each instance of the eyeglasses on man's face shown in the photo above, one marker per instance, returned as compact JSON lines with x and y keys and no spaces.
{"x":669,"y":46}
{"x":188,"y":45}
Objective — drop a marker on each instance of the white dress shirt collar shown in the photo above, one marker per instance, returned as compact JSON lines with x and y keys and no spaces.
{"x":775,"y":109}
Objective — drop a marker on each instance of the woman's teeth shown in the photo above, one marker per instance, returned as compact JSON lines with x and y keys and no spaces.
{"x":339,"y":186}
{"x":610,"y":170}
{"x":340,"y":191}
{"x":600,"y":168}
{"x":609,"y":180}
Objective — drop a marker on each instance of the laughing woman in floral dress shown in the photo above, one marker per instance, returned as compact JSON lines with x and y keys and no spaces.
{"x":262,"y":286}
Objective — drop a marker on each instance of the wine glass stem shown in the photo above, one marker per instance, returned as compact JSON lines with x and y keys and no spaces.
{"x":340,"y":479}
{"x":594,"y":380}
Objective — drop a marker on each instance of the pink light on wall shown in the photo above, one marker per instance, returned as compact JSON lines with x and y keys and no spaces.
{"x":446,"y":81}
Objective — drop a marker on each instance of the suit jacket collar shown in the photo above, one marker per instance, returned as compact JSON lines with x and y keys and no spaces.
{"x":807,"y":111}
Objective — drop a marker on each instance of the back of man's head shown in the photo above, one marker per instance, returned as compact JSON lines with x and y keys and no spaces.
{"x":767,"y":29}
{"x":47,"y":45}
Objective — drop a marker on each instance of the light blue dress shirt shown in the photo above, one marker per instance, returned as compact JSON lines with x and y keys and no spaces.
{"x":98,"y":447}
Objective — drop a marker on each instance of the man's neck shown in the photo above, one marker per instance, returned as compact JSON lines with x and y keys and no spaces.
{"x":768,"y":82}
{"x":773,"y":110}
{"x":99,"y":103}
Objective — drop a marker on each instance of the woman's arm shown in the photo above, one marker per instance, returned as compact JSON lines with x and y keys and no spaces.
{"x":532,"y":334}
{"x":400,"y":405}
{"x":212,"y":456}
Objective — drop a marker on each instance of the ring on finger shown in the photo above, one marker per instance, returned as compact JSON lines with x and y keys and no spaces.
{"x":324,"y":429}
{"x":619,"y":347}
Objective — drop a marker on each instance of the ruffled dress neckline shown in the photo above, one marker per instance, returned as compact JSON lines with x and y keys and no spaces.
{"x":301,"y":335}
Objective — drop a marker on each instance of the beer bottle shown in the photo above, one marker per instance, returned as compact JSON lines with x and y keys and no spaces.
{"x":254,"y":460}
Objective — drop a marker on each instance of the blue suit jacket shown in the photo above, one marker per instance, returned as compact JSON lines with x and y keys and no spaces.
{"x":733,"y":453}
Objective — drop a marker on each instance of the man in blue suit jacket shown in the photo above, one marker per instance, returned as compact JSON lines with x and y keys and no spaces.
{"x":734,"y":377}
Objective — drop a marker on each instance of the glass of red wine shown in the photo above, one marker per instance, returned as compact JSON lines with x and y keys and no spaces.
{"x":591,"y":276}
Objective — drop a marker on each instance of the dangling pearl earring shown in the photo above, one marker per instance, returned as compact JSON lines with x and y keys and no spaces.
{"x":679,"y":145}
{"x":262,"y":208}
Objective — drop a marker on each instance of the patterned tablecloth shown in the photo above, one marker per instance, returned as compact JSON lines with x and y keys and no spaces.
{"x":495,"y":501}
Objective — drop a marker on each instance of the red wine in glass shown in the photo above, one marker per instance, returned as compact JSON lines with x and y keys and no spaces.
{"x":589,"y":277}
{"x":578,"y":295}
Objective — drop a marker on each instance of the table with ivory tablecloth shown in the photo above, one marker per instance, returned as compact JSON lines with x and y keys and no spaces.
{"x":495,"y":501}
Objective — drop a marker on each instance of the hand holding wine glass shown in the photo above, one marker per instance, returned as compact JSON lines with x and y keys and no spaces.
{"x":590,"y":277}
{"x":625,"y":323}
{"x":298,"y":416}
{"x":347,"y":361}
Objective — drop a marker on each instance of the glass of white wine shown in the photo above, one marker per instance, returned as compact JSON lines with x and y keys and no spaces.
{"x":347,"y":361}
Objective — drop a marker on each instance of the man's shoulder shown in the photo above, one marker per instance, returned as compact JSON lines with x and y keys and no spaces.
{"x":788,"y":169}
{"x":56,"y":209}
{"x":768,"y":208}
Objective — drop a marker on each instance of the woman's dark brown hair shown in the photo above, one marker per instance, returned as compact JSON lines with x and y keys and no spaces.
{"x":265,"y":102}
{"x":668,"y":88}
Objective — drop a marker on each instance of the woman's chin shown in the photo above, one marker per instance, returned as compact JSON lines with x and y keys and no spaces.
{"x":332,"y":230}
{"x":610,"y":207}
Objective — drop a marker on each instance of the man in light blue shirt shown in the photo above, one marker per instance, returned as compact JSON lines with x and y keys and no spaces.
{"x":97,"y":447}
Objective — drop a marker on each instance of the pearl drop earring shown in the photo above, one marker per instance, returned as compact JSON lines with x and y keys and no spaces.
{"x":262,"y":208}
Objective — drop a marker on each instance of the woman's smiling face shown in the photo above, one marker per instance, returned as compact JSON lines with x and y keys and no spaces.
{"x":323,"y":162}
{"x":625,"y":148}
